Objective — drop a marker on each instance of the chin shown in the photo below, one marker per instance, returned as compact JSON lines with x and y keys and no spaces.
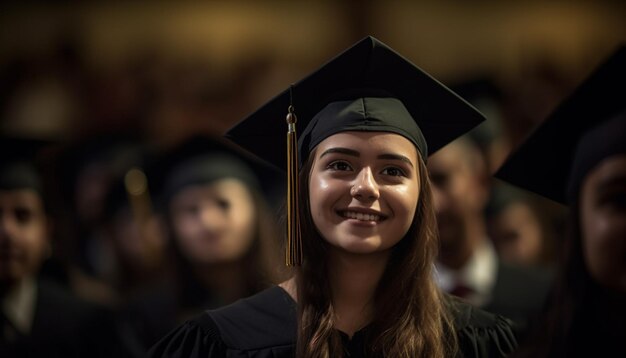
{"x":362,"y":246}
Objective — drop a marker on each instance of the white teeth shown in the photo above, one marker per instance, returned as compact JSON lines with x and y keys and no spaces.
{"x":361,"y":216}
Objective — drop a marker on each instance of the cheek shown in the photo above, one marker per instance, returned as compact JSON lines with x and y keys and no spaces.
{"x":604,"y":245}
{"x":320,"y":196}
{"x":403,"y":201}
{"x":596,"y":231}
{"x":243,"y":219}
{"x":185,"y":226}
{"x":35,"y":238}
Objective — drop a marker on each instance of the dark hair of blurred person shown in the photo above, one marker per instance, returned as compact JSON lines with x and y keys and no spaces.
{"x":38,"y":317}
{"x":586,"y":170}
{"x":222,"y":239}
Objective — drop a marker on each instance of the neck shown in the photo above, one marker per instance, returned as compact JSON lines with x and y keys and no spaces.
{"x":353,"y":280}
{"x":473,"y":235}
{"x":226,"y":280}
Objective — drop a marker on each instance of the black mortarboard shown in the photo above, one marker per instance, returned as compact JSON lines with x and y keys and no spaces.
{"x":585,"y":128}
{"x":112,"y":151}
{"x":19,"y":166}
{"x":202,"y":159}
{"x":368,"y":87}
{"x":372,"y":88}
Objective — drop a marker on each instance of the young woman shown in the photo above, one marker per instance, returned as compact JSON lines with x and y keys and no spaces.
{"x":586,"y":315}
{"x":364,"y":285}
{"x":221,"y":238}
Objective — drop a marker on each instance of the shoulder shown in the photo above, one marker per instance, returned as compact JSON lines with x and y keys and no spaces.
{"x":64,"y":320}
{"x":54,"y":300}
{"x":520,"y":291}
{"x":535,"y":277}
{"x":480,"y":333}
{"x":263,"y":324}
{"x":265,"y":319}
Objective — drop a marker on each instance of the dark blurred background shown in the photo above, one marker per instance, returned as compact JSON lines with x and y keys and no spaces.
{"x":165,"y":69}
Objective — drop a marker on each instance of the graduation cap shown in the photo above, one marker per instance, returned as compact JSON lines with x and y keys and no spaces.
{"x":19,"y":166}
{"x":368,"y":87}
{"x":201,"y":159}
{"x":585,"y":128}
{"x":111,"y":151}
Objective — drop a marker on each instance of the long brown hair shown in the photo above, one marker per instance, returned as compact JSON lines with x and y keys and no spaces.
{"x":261,"y":262}
{"x":410,"y":319}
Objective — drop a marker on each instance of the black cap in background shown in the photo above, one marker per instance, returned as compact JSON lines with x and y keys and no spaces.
{"x":20,"y":163}
{"x":201,"y":159}
{"x":544,"y":162}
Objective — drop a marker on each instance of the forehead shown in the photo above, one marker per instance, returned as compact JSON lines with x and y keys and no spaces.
{"x":611,"y":170}
{"x":449,"y":158}
{"x":365,"y":142}
{"x":219,"y":186}
{"x":21,"y":197}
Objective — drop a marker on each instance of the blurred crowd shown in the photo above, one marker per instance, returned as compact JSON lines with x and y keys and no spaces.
{"x":140,"y":240}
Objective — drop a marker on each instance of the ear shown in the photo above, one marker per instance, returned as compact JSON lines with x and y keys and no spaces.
{"x":483,"y":190}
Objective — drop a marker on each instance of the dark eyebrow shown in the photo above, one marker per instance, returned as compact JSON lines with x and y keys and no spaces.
{"x":354,"y":153}
{"x":612,"y":182}
{"x":396,"y":157}
{"x":340,"y":150}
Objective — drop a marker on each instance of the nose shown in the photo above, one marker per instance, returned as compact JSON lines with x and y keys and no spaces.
{"x":365,"y":186}
{"x":212,"y":216}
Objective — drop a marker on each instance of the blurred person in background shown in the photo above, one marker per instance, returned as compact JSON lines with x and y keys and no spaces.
{"x":468,"y":265}
{"x":38,"y":317}
{"x":222,"y":239}
{"x":578,"y":157}
{"x":133,"y":238}
{"x":86,"y":170}
{"x":524,"y":229}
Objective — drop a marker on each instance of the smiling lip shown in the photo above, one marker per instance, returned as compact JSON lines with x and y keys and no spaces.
{"x":362,"y":215}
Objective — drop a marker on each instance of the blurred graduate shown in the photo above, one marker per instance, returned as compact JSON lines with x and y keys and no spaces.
{"x":38,"y":317}
{"x":212,"y":201}
{"x":577,"y":157}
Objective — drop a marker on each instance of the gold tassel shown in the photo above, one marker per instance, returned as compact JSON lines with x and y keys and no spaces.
{"x":293,"y":254}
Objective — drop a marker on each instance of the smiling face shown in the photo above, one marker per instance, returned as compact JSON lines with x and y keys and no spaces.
{"x":214,"y":222}
{"x":364,"y":190}
{"x":603,"y":222}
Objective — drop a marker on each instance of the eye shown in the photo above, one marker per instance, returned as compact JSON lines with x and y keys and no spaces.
{"x":223,"y":204}
{"x":393,"y":171}
{"x":439,"y":180}
{"x":339,"y":165}
{"x":615,"y":201}
{"x":23,"y":215}
{"x":191,"y":209}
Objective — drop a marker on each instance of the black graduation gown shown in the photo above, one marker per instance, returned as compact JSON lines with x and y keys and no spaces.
{"x":64,"y":326}
{"x":519,"y":294}
{"x":264,"y":326}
